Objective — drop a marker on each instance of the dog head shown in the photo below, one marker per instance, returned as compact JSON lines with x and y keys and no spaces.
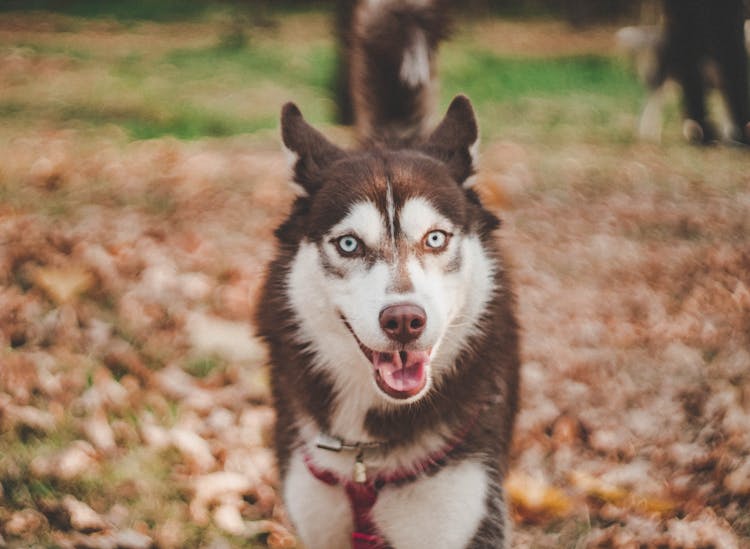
{"x":391,"y":259}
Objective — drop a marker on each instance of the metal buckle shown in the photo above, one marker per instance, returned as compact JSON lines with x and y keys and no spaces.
{"x":327,"y":442}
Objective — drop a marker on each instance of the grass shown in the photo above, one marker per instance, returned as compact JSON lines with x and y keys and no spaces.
{"x":189,"y":105}
{"x":188,"y":93}
{"x":202,"y":82}
{"x":488,"y":78}
{"x":552,"y":94}
{"x":151,"y":10}
{"x":20,"y":447}
{"x":203,"y":366}
{"x":157,"y":10}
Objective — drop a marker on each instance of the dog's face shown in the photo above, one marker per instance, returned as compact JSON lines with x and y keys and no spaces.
{"x":390,"y":274}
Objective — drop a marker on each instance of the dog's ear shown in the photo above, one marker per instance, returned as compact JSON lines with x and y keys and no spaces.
{"x":456,"y":141}
{"x":309,"y":151}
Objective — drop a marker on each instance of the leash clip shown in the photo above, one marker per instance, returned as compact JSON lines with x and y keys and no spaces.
{"x":327,"y":442}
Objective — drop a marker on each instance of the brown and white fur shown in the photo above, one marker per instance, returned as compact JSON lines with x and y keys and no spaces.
{"x":391,"y":54}
{"x":392,"y":225}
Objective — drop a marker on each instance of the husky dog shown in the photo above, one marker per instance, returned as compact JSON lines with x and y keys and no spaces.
{"x":387,"y":68}
{"x":393,"y":341}
{"x":702,"y":45}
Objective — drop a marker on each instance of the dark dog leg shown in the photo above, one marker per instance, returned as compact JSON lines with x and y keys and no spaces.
{"x":685,"y":50}
{"x":697,"y":128}
{"x":731,"y":57}
{"x":343,"y":25}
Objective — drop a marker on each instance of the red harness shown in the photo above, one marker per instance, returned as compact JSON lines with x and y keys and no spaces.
{"x":363,"y":495}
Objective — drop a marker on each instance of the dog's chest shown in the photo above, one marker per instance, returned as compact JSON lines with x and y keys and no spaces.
{"x":442,"y":510}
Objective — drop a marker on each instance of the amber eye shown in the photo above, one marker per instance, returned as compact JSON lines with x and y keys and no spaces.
{"x":436,"y":240}
{"x":348,"y":245}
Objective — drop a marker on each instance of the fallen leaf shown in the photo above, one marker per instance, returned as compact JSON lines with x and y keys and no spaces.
{"x":99,"y":432}
{"x":194,"y":448}
{"x":278,"y":536}
{"x":82,"y":517}
{"x":620,"y":497}
{"x":738,"y":481}
{"x":24,"y":523}
{"x":232,"y":340}
{"x":534,"y":499}
{"x":228,"y":517}
{"x":213,"y":487}
{"x":30,"y":417}
{"x":70,"y":463}
{"x":281,"y":540}
{"x":64,"y":284}
{"x":594,"y":487}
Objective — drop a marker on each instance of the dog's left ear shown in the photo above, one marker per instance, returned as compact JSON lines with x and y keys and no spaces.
{"x":309,"y":151}
{"x":456,"y":141}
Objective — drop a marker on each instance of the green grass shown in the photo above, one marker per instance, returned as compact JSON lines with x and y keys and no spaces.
{"x":487,"y":77}
{"x":553,"y":94}
{"x":20,"y":446}
{"x":182,"y":93}
{"x":214,"y":85}
{"x":203,"y":366}
{"x":250,"y":67}
{"x":153,"y":10}
{"x":158,"y":10}
{"x":193,"y":124}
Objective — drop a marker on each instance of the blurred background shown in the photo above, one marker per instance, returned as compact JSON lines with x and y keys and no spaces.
{"x":141,"y":179}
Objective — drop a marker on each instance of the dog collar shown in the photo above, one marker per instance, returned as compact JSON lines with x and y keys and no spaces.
{"x":363,"y":492}
{"x":324,"y":441}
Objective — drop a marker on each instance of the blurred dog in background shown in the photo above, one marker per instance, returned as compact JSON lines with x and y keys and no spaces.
{"x":386,"y":82}
{"x":702,"y":46}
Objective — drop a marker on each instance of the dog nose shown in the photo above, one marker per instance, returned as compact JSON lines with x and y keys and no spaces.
{"x":403,"y":323}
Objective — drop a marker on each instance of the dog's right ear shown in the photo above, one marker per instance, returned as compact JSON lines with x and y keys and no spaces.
{"x":309,"y":152}
{"x":456,"y":141}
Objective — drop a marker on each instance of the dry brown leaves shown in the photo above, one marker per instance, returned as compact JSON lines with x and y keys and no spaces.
{"x":126,"y":289}
{"x":635,"y":406}
{"x":104,"y":310}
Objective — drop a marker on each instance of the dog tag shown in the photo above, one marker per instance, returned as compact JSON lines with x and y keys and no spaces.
{"x":327,"y":442}
{"x":360,"y":471}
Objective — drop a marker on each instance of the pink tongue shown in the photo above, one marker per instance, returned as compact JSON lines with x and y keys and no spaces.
{"x":403,"y":373}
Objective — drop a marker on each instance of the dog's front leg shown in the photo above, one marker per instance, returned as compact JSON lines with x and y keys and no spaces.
{"x":321,"y":513}
{"x":443,"y":511}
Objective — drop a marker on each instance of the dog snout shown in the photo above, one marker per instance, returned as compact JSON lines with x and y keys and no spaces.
{"x":403,"y":323}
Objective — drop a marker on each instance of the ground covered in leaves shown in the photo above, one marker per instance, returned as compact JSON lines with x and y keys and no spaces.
{"x":134,"y":405}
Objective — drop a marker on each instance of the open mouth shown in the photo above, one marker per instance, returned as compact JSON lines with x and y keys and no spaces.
{"x":399,"y":374}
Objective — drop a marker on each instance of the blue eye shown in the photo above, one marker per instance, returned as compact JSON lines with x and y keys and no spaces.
{"x":436,"y":240}
{"x":348,"y":244}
